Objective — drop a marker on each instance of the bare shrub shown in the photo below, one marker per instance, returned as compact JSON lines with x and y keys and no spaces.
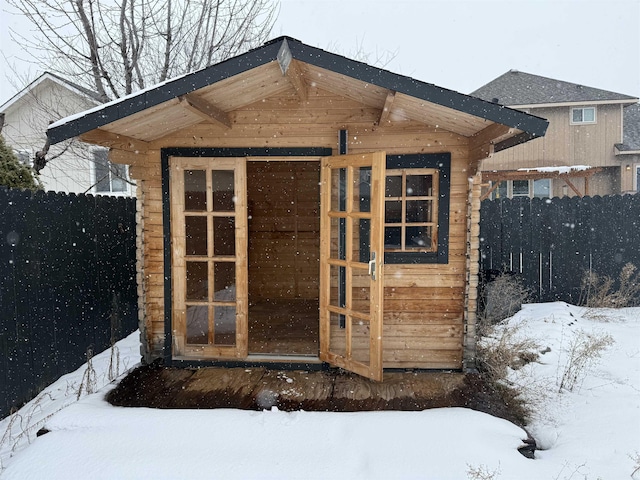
{"x":482,"y":472}
{"x":599,"y":291}
{"x":89,"y":382}
{"x":636,"y":460}
{"x":502,"y":298}
{"x":503,"y":350}
{"x":584,"y":352}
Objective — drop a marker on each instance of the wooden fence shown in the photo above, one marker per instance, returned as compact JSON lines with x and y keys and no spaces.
{"x":67,"y":283}
{"x":551,"y":243}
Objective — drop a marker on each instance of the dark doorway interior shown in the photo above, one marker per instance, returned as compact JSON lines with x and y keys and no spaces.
{"x":284,"y":249}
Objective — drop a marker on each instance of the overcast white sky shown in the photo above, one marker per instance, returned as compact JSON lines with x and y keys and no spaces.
{"x":460,"y":45}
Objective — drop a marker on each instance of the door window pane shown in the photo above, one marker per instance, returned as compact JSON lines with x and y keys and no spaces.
{"x":362,"y":189}
{"x":224,"y":281}
{"x":223,"y":193}
{"x":338,"y":189}
{"x":198,"y":324}
{"x":195,"y":190}
{"x":197,"y":281}
{"x":196,"y":235}
{"x":224,"y":236}
{"x":224,"y":325}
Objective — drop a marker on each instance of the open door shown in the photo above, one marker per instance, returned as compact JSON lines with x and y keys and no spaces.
{"x":351,"y":260}
{"x":209,"y":257}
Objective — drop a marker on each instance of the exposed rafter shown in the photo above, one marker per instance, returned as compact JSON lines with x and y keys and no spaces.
{"x":481,"y":145}
{"x":386,"y":109}
{"x":205,"y":109}
{"x":114,"y":140}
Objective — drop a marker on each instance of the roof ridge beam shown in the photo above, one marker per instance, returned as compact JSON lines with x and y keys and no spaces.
{"x":205,"y":109}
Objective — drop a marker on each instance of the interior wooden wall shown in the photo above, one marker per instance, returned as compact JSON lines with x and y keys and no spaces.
{"x":424,"y":304}
{"x":284,"y":230}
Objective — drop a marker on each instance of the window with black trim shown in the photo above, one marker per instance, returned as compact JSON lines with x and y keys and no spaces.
{"x":416,"y":223}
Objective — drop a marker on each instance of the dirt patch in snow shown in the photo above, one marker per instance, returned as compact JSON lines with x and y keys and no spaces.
{"x":328,"y":390}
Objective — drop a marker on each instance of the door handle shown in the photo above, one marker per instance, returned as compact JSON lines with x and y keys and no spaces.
{"x":372,"y":265}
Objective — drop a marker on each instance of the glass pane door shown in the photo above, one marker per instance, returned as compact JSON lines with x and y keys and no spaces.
{"x":351,"y":258}
{"x":209,"y":270}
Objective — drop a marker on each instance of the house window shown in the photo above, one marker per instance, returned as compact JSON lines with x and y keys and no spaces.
{"x":637,"y":179}
{"x":583,"y":115}
{"x":108,"y":177}
{"x":416,"y":223}
{"x":24,"y":157}
{"x":540,"y":188}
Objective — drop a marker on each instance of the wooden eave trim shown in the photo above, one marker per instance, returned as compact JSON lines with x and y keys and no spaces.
{"x":114,"y":140}
{"x":205,"y":109}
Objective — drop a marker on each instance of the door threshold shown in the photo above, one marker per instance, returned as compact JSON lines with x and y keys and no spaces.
{"x":280,"y":358}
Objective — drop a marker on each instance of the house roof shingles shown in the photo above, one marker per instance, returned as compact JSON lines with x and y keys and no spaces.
{"x":520,"y":88}
{"x":631,"y":122}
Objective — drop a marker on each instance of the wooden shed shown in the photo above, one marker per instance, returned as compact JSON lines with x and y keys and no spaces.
{"x":300,"y":207}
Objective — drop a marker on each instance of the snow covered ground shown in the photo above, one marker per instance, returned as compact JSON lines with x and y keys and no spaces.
{"x":589,"y":431}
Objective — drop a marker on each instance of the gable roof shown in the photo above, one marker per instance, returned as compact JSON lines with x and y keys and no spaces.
{"x":516,"y":88}
{"x":631,"y":126}
{"x":259,"y":74}
{"x":48,"y":76}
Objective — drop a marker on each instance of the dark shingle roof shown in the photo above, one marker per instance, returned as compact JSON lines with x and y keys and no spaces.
{"x":531,"y":126}
{"x":520,"y":88}
{"x":631,"y":125}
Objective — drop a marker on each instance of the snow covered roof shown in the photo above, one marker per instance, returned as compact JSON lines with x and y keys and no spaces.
{"x":426,"y":102}
{"x":515,"y":88}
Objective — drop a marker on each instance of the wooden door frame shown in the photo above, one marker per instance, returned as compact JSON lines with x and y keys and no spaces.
{"x":165,"y":155}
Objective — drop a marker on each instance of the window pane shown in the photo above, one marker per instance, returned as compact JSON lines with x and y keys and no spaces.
{"x":101,"y":163}
{"x":501,"y":190}
{"x":196,"y":235}
{"x":361,"y":240}
{"x":337,"y":337}
{"x":195,"y":190}
{"x":520,"y":188}
{"x":223,"y":193}
{"x":419,"y":185}
{"x":362,"y":189}
{"x":197,"y":281}
{"x":360,"y":289}
{"x":393,"y":186}
{"x":393,"y":211}
{"x":542,"y":188}
{"x":338,"y":239}
{"x":418,"y":238}
{"x":338,"y":189}
{"x":118,"y":176}
{"x":360,"y":340}
{"x":577,"y":115}
{"x":224,"y":236}
{"x":224,"y":325}
{"x":392,"y":238}
{"x":419,"y":211}
{"x":224,"y":281}
{"x":336,"y":294}
{"x":198,"y":324}
{"x":588,"y":114}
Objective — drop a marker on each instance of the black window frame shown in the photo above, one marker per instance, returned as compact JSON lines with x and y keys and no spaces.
{"x":441,"y":162}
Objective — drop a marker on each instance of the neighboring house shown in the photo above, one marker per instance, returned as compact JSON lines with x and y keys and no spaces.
{"x":73,"y":167}
{"x":291,"y":199}
{"x":584,"y":151}
{"x":628,"y":152}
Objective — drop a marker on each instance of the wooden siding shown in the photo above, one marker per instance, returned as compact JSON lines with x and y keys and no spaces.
{"x":424,"y":305}
{"x":566,"y":144}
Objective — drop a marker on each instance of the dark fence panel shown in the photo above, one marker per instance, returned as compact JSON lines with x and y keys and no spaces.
{"x":551,"y":243}
{"x":67,"y":283}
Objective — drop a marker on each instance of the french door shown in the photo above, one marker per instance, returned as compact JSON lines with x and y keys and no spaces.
{"x":209,"y":257}
{"x":351,"y":257}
